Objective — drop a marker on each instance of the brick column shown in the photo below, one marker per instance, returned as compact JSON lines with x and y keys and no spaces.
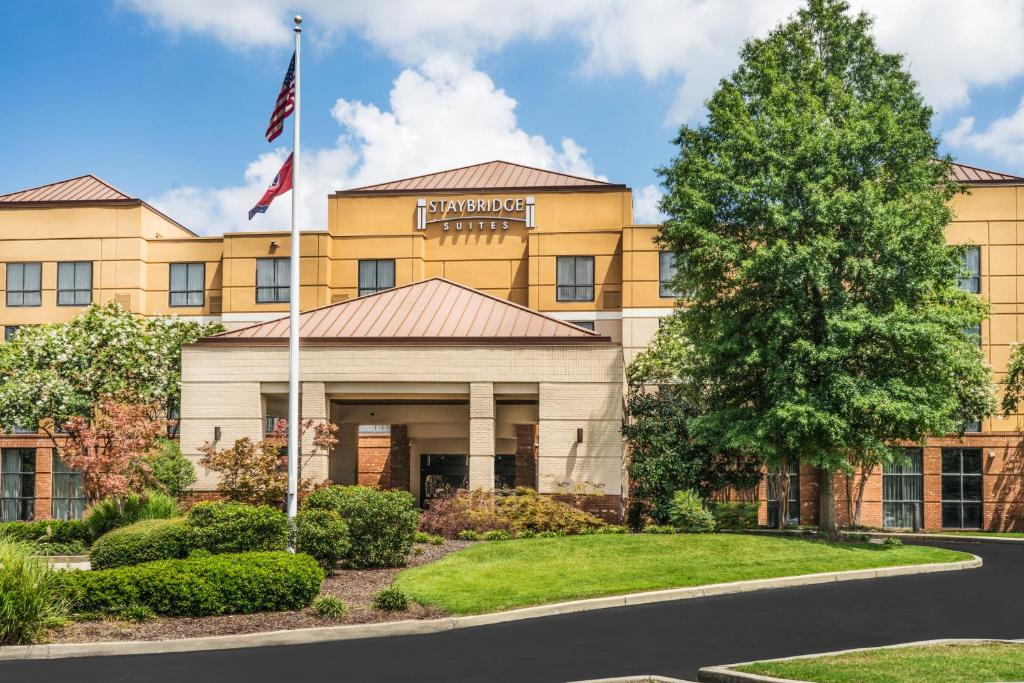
{"x":44,"y":482}
{"x":526,"y":455}
{"x":399,"y":458}
{"x":313,"y":407}
{"x":481,"y":436}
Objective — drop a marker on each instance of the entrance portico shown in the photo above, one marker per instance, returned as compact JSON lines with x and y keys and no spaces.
{"x":461,"y":380}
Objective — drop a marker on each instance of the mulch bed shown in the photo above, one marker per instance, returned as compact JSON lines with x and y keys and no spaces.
{"x":356,"y":587}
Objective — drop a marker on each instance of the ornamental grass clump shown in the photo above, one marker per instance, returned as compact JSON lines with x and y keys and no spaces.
{"x":688,"y":514}
{"x":31,"y":600}
{"x":118,"y":511}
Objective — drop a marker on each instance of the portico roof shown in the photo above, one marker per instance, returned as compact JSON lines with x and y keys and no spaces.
{"x":488,"y":176}
{"x":434,"y":311}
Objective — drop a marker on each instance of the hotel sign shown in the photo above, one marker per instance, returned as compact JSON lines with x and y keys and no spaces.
{"x":484,"y":214}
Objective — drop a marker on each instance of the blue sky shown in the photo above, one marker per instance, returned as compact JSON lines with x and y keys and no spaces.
{"x":168,"y":99}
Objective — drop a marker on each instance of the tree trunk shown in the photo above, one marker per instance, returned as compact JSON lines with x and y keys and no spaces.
{"x":850,"y":513}
{"x":826,"y":503}
{"x":782,"y":495}
{"x":861,"y":485}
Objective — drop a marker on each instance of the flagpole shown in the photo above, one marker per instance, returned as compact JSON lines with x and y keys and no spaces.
{"x":294,"y":296}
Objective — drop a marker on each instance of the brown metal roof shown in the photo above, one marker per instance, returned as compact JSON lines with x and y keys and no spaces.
{"x":85,"y":188}
{"x":492,"y":175}
{"x":963,"y":173}
{"x":434,"y":309}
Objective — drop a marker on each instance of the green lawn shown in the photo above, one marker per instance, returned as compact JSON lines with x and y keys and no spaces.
{"x":966,"y":663}
{"x":500,"y":575}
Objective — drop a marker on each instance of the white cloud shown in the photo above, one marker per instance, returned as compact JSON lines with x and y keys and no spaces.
{"x":1003,"y":138}
{"x":952,"y":48}
{"x":442,"y":114}
{"x":645,"y":205}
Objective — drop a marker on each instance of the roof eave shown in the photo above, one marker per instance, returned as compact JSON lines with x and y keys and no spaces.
{"x":405,"y":341}
{"x":465,"y":190}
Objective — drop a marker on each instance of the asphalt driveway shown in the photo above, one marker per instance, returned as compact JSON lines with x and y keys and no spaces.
{"x":672,"y":639}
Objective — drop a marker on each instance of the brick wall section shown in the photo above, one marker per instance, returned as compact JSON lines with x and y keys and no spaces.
{"x":373,"y":464}
{"x":398,"y":465}
{"x":526,"y":455}
{"x":44,"y":482}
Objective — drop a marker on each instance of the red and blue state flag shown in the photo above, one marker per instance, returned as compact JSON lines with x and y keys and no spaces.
{"x":282,"y":183}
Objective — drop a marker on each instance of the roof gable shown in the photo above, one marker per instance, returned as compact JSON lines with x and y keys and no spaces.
{"x":492,"y":175}
{"x":82,"y":188}
{"x":436,"y":310}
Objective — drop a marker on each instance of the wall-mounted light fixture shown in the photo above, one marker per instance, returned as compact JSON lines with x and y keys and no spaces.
{"x":579,"y":435}
{"x":216,"y":433}
{"x":274,"y":244}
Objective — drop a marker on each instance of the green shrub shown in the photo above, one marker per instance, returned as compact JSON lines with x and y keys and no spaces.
{"x":688,"y":513}
{"x":173,"y":471}
{"x":136,"y":614}
{"x":30,"y":597}
{"x":323,"y":535}
{"x":424,"y":537}
{"x":330,"y":607}
{"x":470,"y":535}
{"x":46,"y":549}
{"x":736,"y":515}
{"x":612,"y":529}
{"x":391,"y":600}
{"x":199,"y":586}
{"x":46,"y":531}
{"x":659,"y":529}
{"x":495,"y":535}
{"x":525,"y":509}
{"x":381,"y":524}
{"x":145,"y":541}
{"x":224,"y":527}
{"x":112,"y":513}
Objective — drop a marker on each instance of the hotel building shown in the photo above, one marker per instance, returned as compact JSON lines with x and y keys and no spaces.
{"x":463,"y":328}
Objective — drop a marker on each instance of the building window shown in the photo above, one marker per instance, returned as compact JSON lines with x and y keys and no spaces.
{"x":74,"y":283}
{"x":666,"y":273}
{"x":575,"y":278}
{"x":17,"y":484}
{"x":974,"y":333}
{"x":376,"y":275}
{"x":585,"y":324}
{"x":961,"y":488}
{"x":68,"y":497}
{"x":188,"y":284}
{"x":270,"y":424}
{"x":972,"y":426}
{"x":902,"y":489}
{"x":10,"y":331}
{"x":374,"y":429}
{"x":24,"y":284}
{"x":272,"y":280}
{"x":794,"y":497}
{"x":972,"y":264}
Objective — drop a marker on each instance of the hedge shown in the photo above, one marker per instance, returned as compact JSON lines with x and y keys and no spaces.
{"x":201,"y":586}
{"x":145,"y":541}
{"x":381,"y":524}
{"x":236,"y":528}
{"x":46,"y":530}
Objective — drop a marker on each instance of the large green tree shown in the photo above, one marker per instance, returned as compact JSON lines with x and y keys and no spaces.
{"x":807,"y":217}
{"x":51,"y":373}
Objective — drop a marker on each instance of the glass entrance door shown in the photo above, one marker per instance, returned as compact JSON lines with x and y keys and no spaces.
{"x":442,"y":475}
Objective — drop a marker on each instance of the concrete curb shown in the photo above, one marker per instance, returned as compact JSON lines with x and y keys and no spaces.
{"x":419,"y":627}
{"x":726,"y":673}
{"x":942,"y":537}
{"x":636,"y":679}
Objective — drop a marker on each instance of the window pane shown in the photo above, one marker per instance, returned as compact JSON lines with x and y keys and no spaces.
{"x":178,"y":298}
{"x":972,"y":460}
{"x":65,"y":276}
{"x":951,"y":516}
{"x":179,"y":277}
{"x":367,"y":276}
{"x":972,"y":487}
{"x":386,"y":274}
{"x":83,"y":276}
{"x":196,"y":273}
{"x":951,"y":488}
{"x":950,"y":460}
{"x":972,"y":264}
{"x":972,"y":516}
{"x":264,"y":272}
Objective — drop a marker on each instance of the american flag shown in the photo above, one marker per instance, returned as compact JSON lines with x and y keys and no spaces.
{"x":285,"y":104}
